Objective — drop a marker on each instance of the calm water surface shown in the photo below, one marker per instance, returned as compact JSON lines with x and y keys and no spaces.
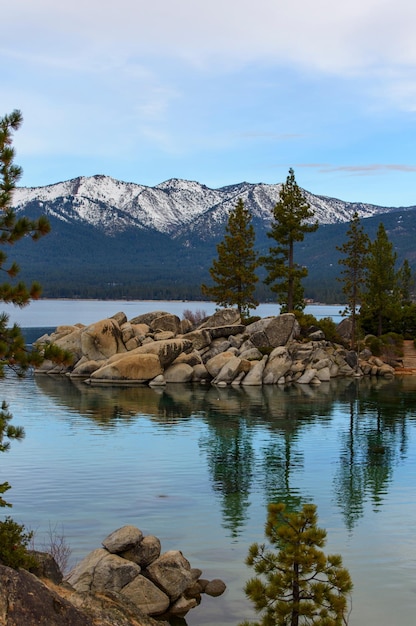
{"x":56,"y":312}
{"x":197,"y":465}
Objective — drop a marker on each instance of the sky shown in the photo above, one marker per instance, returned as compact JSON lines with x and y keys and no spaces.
{"x":219,"y":92}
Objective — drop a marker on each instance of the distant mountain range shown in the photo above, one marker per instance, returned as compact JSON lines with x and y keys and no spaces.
{"x":115,"y":239}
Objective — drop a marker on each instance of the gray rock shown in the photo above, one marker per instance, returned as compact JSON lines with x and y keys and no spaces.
{"x":226,"y":331}
{"x":123,"y":539}
{"x":179,"y":373}
{"x":100,"y":570}
{"x":166,"y":351}
{"x":146,"y":596}
{"x":255,"y":376}
{"x":147,"y":318}
{"x":324,"y":374}
{"x":223,"y":317}
{"x":167,"y":322}
{"x":46,"y":567}
{"x":217,"y":346}
{"x":137,"y":368}
{"x":200,"y":338}
{"x":145,"y":552}
{"x":251,"y":355}
{"x":230,"y":369}
{"x":307,"y":377}
{"x":216,"y":363}
{"x":278,"y":365}
{"x":102,"y":340}
{"x":215,"y":587}
{"x":171,"y":573}
{"x":273,"y":331}
{"x":119,"y":317}
{"x":182,"y":605}
{"x":200,"y":373}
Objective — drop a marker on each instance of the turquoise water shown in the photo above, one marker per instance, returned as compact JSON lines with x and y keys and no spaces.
{"x":197,"y":465}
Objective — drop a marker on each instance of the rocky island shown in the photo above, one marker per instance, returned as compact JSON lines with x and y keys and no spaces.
{"x":158,"y":348}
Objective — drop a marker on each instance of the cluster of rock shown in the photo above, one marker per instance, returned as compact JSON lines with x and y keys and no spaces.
{"x":158,"y":348}
{"x":125,"y":582}
{"x":131,"y":565}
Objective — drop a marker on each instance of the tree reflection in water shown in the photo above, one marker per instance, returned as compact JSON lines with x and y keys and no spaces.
{"x":252,"y":439}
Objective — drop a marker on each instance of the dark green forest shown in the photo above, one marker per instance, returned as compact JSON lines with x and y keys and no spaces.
{"x":79,"y":261}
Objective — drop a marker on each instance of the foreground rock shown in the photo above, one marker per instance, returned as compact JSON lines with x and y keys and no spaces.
{"x":157,"y":348}
{"x":26,"y":600}
{"x":133,"y":567}
{"x":124,"y":583}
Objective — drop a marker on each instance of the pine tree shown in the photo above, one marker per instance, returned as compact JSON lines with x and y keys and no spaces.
{"x":13,"y":350}
{"x":298,"y":585}
{"x":292,"y":217}
{"x":234,"y":269}
{"x":355,"y":251}
{"x":406,"y":283}
{"x":381,"y":281}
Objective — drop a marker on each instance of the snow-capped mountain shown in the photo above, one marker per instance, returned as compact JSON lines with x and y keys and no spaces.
{"x":172,"y":207}
{"x":122,"y":240}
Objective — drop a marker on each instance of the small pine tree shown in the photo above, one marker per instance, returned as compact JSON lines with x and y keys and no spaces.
{"x":298,"y":585}
{"x":355,"y":251}
{"x":406,"y":283}
{"x":292,"y":217}
{"x":233,"y":272}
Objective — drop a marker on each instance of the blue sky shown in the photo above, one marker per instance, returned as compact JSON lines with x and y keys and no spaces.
{"x":219,"y":92}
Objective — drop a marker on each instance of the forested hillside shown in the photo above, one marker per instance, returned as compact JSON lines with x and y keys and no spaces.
{"x":78,"y":260}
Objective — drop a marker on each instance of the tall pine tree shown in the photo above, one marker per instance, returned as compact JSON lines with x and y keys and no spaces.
{"x":233,"y":272}
{"x":379,"y":302}
{"x":13,"y":350}
{"x":292,"y":217}
{"x":355,"y":251}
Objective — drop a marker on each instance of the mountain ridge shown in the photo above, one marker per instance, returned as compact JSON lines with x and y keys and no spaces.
{"x":124,"y":240}
{"x":113,"y":205}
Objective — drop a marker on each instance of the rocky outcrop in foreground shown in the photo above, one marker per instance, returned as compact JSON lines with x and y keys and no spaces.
{"x":158,"y":348}
{"x":124,"y":583}
{"x":132,"y":566}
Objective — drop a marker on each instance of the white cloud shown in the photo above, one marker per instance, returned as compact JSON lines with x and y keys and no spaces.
{"x":324,"y":35}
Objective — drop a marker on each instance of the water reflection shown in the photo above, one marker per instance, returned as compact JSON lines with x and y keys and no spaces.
{"x":256,"y":438}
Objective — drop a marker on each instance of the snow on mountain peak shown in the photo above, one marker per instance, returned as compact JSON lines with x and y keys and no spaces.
{"x":170,"y":206}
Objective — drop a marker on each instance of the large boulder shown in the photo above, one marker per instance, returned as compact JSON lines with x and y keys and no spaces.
{"x":273,"y":331}
{"x":122,"y":539}
{"x":230,"y":370}
{"x":226,"y":331}
{"x":27,"y":601}
{"x":167,"y":322}
{"x":137,"y":368}
{"x":200,"y":338}
{"x":166,"y":351}
{"x":223,"y":317}
{"x":101,"y":340}
{"x":179,"y":373}
{"x":102,"y":571}
{"x":146,"y":596}
{"x":171,"y":572}
{"x":255,"y":376}
{"x":217,"y":362}
{"x":144,"y":552}
{"x":147,"y":318}
{"x":70,"y":340}
{"x":278,"y":364}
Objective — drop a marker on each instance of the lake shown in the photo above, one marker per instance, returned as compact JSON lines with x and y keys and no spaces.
{"x":59,"y":312}
{"x":197,"y":465}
